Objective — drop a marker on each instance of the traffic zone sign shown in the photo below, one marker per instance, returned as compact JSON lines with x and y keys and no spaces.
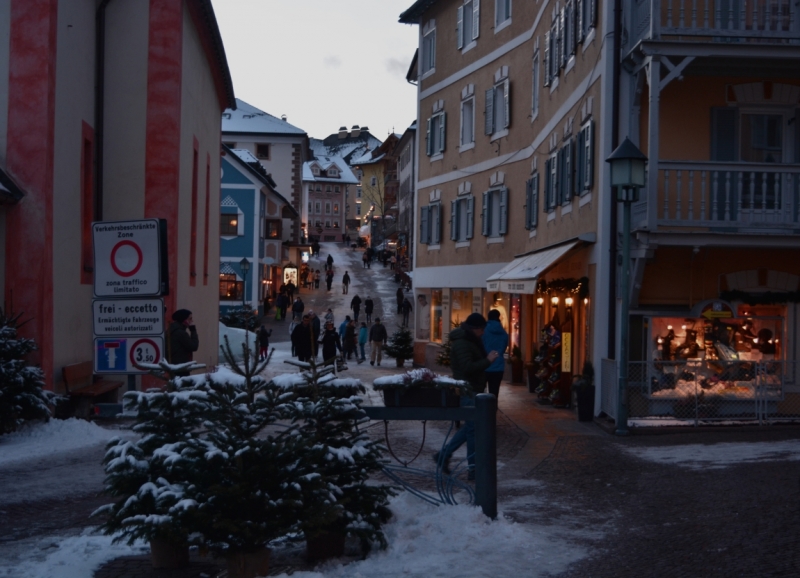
{"x":127,"y":258}
{"x":125,"y":354}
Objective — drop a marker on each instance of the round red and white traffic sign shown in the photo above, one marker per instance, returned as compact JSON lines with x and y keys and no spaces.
{"x":144,"y":351}
{"x":126,"y":258}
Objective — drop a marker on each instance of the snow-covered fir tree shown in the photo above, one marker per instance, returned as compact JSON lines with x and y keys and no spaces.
{"x":401,"y":344}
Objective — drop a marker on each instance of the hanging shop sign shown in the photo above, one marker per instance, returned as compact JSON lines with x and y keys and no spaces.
{"x":566,"y":352}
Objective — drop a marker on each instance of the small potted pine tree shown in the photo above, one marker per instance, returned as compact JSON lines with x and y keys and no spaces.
{"x":401,"y":346}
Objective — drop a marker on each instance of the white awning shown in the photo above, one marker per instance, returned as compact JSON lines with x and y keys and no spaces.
{"x":521,"y":274}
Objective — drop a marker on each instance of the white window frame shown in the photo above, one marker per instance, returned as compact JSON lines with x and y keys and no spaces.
{"x":502,"y":9}
{"x":435,"y":137}
{"x":535,"y":74}
{"x":335,"y":208}
{"x":467,"y":140}
{"x":373,"y":182}
{"x":358,"y":209}
{"x":327,"y":207}
{"x":430,"y":224}
{"x":428,"y":52}
{"x":336,"y":189}
{"x":469,"y":11}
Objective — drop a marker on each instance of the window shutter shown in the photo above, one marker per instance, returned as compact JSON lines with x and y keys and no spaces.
{"x":546,"y":67}
{"x":428,"y":141}
{"x":555,"y":168}
{"x":488,"y":112}
{"x":439,"y":223}
{"x":503,"y":211}
{"x":442,"y":130}
{"x":454,"y":220}
{"x":571,"y":26}
{"x":592,"y":14}
{"x":470,"y":216}
{"x":424,"y":225}
{"x":579,"y":155}
{"x":579,"y":17}
{"x":485,"y":215}
{"x":240,"y":224}
{"x":589,"y":176}
{"x":568,"y":172}
{"x":562,"y":40}
{"x":555,"y":34}
{"x":460,"y":27}
{"x":476,"y":18}
{"x":724,"y":134}
{"x":528,"y":203}
{"x":533,"y":209}
{"x":507,"y":103}
{"x":547,"y":201}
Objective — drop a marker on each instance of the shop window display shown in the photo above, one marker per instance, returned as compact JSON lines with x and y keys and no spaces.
{"x":460,"y":306}
{"x":436,"y":315}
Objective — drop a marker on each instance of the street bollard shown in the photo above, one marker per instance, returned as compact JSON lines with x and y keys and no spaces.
{"x":486,"y":453}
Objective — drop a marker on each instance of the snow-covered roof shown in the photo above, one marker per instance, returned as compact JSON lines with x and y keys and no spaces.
{"x":346,"y":176}
{"x":248,"y":119}
{"x":245,"y":155}
{"x":367,"y":159}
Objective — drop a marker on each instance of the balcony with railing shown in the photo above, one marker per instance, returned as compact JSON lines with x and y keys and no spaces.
{"x":760,"y":21}
{"x":727,"y":196}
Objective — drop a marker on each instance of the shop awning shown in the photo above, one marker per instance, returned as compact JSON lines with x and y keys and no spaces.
{"x":521,"y":274}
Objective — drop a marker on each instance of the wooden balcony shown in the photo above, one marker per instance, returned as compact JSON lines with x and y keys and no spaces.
{"x":754,"y":198}
{"x":759,"y":21}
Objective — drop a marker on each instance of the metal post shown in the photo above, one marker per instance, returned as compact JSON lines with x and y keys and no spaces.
{"x":131,"y":382}
{"x":244,"y":289}
{"x":486,"y":453}
{"x":622,"y":397}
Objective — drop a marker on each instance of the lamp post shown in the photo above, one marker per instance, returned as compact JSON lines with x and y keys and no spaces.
{"x":245,"y":265}
{"x":628,"y":176}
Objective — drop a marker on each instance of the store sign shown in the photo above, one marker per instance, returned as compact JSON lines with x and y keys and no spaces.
{"x":566,"y":352}
{"x":127,"y":258}
{"x":714,"y":309}
{"x":123,"y":355}
{"x":127,"y":317}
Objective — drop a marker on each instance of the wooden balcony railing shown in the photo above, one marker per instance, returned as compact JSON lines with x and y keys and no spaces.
{"x":728,"y":195}
{"x":717,"y":20}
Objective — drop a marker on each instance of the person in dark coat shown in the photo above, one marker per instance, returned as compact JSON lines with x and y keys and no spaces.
{"x":495,"y":338}
{"x":315,"y":329}
{"x":399,"y":297}
{"x":329,"y":262}
{"x":290,"y":289}
{"x":182,"y":340}
{"x":468,"y":361}
{"x":369,"y":305}
{"x":355,"y":305}
{"x":297,"y":308}
{"x":281,"y":303}
{"x":377,"y":339}
{"x":349,"y":342}
{"x":303,"y":339}
{"x":346,"y":283}
{"x":406,"y":308}
{"x":330,"y":344}
{"x":329,"y":279}
{"x":263,"y":341}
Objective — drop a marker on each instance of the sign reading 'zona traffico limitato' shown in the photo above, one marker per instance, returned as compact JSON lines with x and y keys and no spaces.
{"x":127,"y":258}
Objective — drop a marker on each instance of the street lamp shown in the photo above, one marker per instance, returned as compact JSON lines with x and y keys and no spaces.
{"x":245,"y":265}
{"x":628,"y":176}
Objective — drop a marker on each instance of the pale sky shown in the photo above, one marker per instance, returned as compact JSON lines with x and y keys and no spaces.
{"x":323,"y":63}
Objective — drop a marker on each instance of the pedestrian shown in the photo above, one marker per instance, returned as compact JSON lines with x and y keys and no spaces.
{"x":364,"y":261}
{"x":399,"y":296}
{"x":377,"y":339}
{"x":406,"y":308}
{"x":385,"y":255}
{"x":495,"y":338}
{"x":363,"y":334}
{"x":329,"y":261}
{"x":280,"y":307}
{"x":297,"y":308}
{"x":182,"y":339}
{"x":349,"y":341}
{"x":329,"y":316}
{"x":393,"y":262}
{"x":345,"y":282}
{"x":290,"y":289}
{"x":468,"y":362}
{"x":330,"y":344}
{"x":343,"y":326}
{"x":368,"y":307}
{"x":315,"y":329}
{"x":329,"y":278}
{"x":303,"y":339}
{"x":263,"y":341}
{"x":317,"y":277}
{"x":355,"y":305}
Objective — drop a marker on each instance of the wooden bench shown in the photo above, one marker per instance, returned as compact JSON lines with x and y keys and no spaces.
{"x":85,"y":389}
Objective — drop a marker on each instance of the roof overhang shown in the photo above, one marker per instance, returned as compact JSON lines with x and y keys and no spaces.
{"x":412,"y":14}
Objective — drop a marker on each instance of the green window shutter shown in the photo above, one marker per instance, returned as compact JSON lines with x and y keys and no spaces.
{"x":534,"y":208}
{"x":507,"y":103}
{"x":428,"y":141}
{"x":424,"y":225}
{"x":460,"y":27}
{"x":488,"y":112}
{"x":436,"y":224}
{"x":546,"y":64}
{"x":454,"y":220}
{"x":528,"y":203}
{"x":476,"y":18}
{"x":442,"y":130}
{"x":579,"y":154}
{"x":487,"y":221}
{"x":470,"y":216}
{"x":589,"y":175}
{"x":555,"y":167}
{"x":503,"y":211}
{"x":568,"y":163}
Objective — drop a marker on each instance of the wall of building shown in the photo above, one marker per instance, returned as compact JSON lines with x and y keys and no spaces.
{"x":5,"y":34}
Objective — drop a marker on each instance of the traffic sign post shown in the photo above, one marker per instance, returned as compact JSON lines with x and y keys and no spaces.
{"x":123,"y":355}
{"x":127,"y":258}
{"x":126,"y":317}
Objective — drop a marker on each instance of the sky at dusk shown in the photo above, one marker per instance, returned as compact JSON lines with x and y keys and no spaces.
{"x":323,"y":63}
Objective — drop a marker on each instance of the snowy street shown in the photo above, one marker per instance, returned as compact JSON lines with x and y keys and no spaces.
{"x":573,"y":500}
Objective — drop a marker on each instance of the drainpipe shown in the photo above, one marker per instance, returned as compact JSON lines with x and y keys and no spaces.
{"x":612,"y":274}
{"x":99,"y":105}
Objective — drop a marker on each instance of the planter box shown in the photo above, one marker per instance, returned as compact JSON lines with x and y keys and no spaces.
{"x":248,"y":564}
{"x":420,"y":397}
{"x":166,"y":554}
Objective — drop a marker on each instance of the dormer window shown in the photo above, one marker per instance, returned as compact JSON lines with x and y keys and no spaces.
{"x":333,"y":173}
{"x":315,"y":171}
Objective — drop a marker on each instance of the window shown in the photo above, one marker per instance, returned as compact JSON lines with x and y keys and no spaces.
{"x":315,"y":172}
{"x":262,"y":151}
{"x":551,"y":183}
{"x":273,"y":228}
{"x":461,"y":218}
{"x":230,"y":289}
{"x":468,"y":23}
{"x":229,"y":225}
{"x":430,"y":224}
{"x":495,"y":212}
{"x":428,"y":49}
{"x":310,"y":208}
{"x":333,"y":173}
{"x":335,"y":208}
{"x":535,"y":91}
{"x":327,"y":224}
{"x":336,"y":224}
{"x":358,"y":209}
{"x":502,"y":11}
{"x":435,"y":135}
{"x":585,"y":18}
{"x":584,"y":159}
{"x":468,"y":121}
{"x":497,"y":112}
{"x":532,"y":202}
{"x":359,"y":174}
{"x":328,"y":188}
{"x":358,"y":192}
{"x":373,"y":181}
{"x":327,"y":207}
{"x":336,"y":189}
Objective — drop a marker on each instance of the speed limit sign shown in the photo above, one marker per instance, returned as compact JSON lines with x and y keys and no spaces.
{"x":145,"y":350}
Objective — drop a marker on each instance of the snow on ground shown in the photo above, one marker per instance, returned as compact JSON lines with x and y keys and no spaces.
{"x":236,"y":338}
{"x":722,"y":455}
{"x":54,"y":438}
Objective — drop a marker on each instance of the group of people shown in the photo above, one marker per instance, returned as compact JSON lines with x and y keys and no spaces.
{"x":310,"y":333}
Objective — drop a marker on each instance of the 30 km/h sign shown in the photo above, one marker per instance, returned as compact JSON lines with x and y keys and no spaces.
{"x":127,"y":258}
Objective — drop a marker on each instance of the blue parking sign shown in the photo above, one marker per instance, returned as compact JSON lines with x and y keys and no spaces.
{"x":111,"y":355}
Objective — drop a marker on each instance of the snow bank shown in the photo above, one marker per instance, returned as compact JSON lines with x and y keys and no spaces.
{"x":236,"y":338}
{"x":705,"y":456}
{"x":37,"y":439}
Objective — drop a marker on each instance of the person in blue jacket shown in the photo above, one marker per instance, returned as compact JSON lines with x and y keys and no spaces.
{"x":495,"y":338}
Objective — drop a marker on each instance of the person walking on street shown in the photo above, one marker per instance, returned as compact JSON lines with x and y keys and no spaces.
{"x":290,"y":289}
{"x":182,"y":339}
{"x":392,"y":262}
{"x":406,"y":308}
{"x":495,"y":338}
{"x":329,"y":262}
{"x":303,"y":339}
{"x":345,"y":282}
{"x":315,"y":330}
{"x":368,"y":307}
{"x":468,"y":361}
{"x":399,"y":297}
{"x":355,"y":305}
{"x":364,"y":261}
{"x":263,"y":341}
{"x":281,"y":303}
{"x":377,"y":339}
{"x":329,"y":316}
{"x":317,"y":277}
{"x":349,"y":341}
{"x":343,"y":326}
{"x":329,"y":278}
{"x":297,"y":308}
{"x":363,"y":334}
{"x":330,"y":344}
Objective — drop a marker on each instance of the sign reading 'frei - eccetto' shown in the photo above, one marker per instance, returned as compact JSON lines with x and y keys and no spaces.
{"x":126,"y":258}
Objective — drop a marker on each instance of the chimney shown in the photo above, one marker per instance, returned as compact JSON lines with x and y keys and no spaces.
{"x":342,"y":132}
{"x":355,"y":131}
{"x":283,"y":118}
{"x":364,"y":129}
